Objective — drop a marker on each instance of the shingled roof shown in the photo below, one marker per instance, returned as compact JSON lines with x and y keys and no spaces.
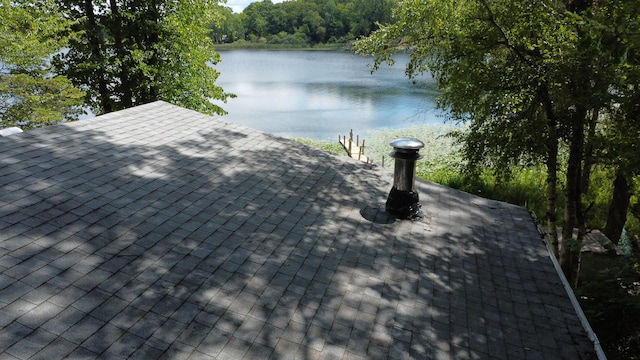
{"x":159,"y":232}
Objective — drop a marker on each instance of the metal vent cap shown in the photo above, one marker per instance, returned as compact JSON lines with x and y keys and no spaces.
{"x":407,"y":144}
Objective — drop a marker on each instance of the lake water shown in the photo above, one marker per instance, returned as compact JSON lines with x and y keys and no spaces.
{"x":322,"y":94}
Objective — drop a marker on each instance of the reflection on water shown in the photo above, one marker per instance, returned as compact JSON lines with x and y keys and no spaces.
{"x":321,"y":94}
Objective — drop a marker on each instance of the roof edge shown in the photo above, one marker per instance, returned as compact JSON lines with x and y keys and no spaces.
{"x":567,"y":287}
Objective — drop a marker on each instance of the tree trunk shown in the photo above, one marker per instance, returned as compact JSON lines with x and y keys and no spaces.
{"x":552,"y":183}
{"x":96,"y":53}
{"x":552,"y":170}
{"x":573,"y":217}
{"x":589,"y":158}
{"x":153,"y":38}
{"x":116,"y":29}
{"x":618,"y":207}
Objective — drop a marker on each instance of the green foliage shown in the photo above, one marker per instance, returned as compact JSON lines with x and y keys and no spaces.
{"x":31,"y":94}
{"x":489,"y":61}
{"x":134,"y":52}
{"x":185,"y":75}
{"x":311,"y":21}
{"x":368,"y":14}
{"x":244,"y":45}
{"x":283,"y":38}
{"x":599,"y":196}
{"x":228,"y":27}
{"x":441,"y":151}
{"x":612,"y":303}
{"x":633,"y":222}
{"x":35,"y":100}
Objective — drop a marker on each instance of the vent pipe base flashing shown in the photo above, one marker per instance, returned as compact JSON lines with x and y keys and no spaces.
{"x":404,"y":204}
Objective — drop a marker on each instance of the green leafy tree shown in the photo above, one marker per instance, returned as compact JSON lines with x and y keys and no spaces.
{"x":367,"y":14}
{"x":526,"y":76}
{"x":499,"y":67}
{"x":615,"y":30}
{"x":334,"y":15}
{"x":31,"y":93}
{"x":257,"y":17}
{"x":228,"y":28}
{"x":134,"y":52}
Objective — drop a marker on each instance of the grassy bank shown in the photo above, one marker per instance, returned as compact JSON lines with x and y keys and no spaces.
{"x":442,"y":163}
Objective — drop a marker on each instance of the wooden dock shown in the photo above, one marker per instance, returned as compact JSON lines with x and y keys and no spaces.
{"x":354,"y":149}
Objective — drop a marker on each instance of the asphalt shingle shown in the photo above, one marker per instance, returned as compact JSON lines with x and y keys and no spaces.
{"x":159,"y":232}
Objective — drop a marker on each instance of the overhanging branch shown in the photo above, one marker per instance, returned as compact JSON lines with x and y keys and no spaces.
{"x":503,"y":34}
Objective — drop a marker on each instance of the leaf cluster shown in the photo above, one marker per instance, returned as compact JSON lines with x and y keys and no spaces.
{"x":612,"y":303}
{"x":31,"y":93}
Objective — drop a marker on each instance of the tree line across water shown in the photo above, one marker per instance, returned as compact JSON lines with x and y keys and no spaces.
{"x":302,"y":22}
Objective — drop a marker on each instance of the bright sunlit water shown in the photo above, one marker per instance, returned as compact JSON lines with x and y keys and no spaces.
{"x":322,"y":94}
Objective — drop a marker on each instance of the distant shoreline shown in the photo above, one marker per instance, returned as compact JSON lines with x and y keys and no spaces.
{"x":246,"y":45}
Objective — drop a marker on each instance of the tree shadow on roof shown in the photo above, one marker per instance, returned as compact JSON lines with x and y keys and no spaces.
{"x":222,"y":242}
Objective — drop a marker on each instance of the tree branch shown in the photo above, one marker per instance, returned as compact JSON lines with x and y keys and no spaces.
{"x":503,"y":34}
